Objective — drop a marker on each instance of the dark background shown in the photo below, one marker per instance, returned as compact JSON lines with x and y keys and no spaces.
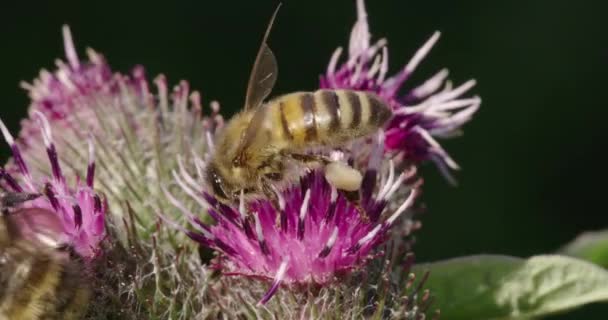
{"x":533,"y":157}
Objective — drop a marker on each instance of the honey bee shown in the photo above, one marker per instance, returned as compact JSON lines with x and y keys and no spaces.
{"x":256,"y":147}
{"x":37,"y":280}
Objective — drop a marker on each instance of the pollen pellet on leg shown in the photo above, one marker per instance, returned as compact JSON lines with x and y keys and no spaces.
{"x":343,"y":177}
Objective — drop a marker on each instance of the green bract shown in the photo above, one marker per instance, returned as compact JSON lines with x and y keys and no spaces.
{"x":502,"y":287}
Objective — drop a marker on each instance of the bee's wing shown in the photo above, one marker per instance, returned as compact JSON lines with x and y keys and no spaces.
{"x":251,"y":137}
{"x":264,"y":72}
{"x":262,"y":79}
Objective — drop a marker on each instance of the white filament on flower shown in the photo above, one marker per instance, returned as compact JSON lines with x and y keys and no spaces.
{"x":64,"y":78}
{"x":203,"y":203}
{"x":334,"y":194}
{"x":280,"y":198}
{"x":332,"y":239}
{"x":437,"y":148}
{"x":7,"y":135}
{"x":395,"y":186}
{"x":359,"y":39}
{"x":276,"y":282}
{"x":421,"y":53}
{"x":431,"y":85}
{"x":178,"y":204}
{"x":368,"y":237}
{"x":375,"y":66}
{"x":258,"y":227}
{"x":177,"y":226}
{"x":389,"y":182}
{"x":383,"y":67}
{"x":405,"y":205}
{"x":70,"y":50}
{"x":304,"y":207}
{"x":199,"y":164}
{"x":333,"y":62}
{"x":184,"y":173}
{"x":210,"y":142}
{"x":242,"y":210}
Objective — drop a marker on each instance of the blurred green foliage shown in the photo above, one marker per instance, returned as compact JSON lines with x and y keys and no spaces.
{"x":533,"y":157}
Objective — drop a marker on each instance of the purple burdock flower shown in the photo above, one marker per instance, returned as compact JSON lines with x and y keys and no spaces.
{"x":137,"y":130}
{"x":316,"y":236}
{"x":79,"y":213}
{"x":67,"y":91}
{"x":432,"y":109}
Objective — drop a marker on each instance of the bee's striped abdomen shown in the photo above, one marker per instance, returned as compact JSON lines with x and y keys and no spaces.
{"x":35,"y":280}
{"x":298,"y":118}
{"x":41,"y":285}
{"x":328,"y":117}
{"x":349,"y":114}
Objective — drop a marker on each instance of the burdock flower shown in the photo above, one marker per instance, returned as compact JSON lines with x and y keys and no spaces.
{"x":60,"y":95}
{"x":432,"y":109}
{"x":79,"y":209}
{"x":137,"y":131}
{"x":316,"y":236}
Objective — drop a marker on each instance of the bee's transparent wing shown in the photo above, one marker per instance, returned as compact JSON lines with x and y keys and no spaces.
{"x":252,"y":137}
{"x":261,"y":81}
{"x":264,"y":72}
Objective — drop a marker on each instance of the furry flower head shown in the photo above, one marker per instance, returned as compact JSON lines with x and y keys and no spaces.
{"x":315,"y":235}
{"x":77,"y":209}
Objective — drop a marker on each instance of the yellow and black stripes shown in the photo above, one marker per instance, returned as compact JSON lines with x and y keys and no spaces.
{"x":354,"y":102}
{"x":329,"y":117}
{"x":331,"y":109}
{"x":308,"y":104}
{"x":380,"y":112}
{"x":40,"y":285}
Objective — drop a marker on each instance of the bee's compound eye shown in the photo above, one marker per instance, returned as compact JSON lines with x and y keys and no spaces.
{"x":216,"y":183}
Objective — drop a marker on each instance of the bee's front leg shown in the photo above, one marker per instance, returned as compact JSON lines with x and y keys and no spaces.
{"x":11,"y":199}
{"x":354,"y":198}
{"x":308,"y":158}
{"x":271,"y":195}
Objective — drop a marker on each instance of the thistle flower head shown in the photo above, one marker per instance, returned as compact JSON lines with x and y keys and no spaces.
{"x":137,"y":132}
{"x":78,"y":212}
{"x":432,"y":109}
{"x":61,"y":94}
{"x":316,"y":234}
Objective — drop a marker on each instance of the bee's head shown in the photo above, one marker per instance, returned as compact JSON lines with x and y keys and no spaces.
{"x":228,"y":182}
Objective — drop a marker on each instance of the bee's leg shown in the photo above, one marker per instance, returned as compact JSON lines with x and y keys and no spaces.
{"x":272,"y":196}
{"x":308,"y":158}
{"x":274,"y":176}
{"x":354,"y":198}
{"x":11,"y":199}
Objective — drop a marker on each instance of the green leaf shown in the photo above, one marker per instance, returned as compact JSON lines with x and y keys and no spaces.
{"x":501,"y":287}
{"x":590,"y":246}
